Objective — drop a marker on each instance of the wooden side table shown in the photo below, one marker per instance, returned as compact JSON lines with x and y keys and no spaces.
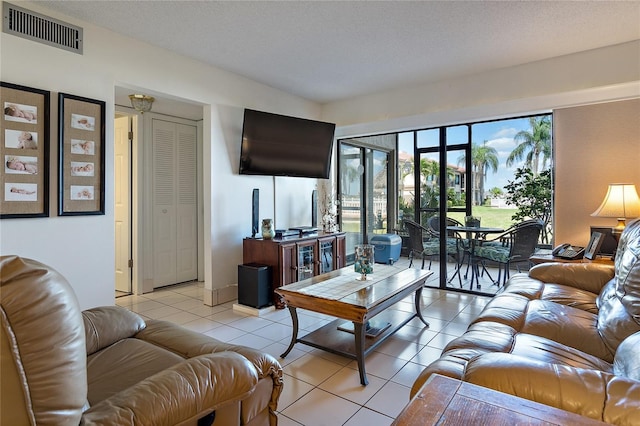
{"x":446,"y":401}
{"x":546,"y":257}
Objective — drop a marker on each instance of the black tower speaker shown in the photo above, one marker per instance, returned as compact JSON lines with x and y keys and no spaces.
{"x":314,"y":208}
{"x":255,"y":211}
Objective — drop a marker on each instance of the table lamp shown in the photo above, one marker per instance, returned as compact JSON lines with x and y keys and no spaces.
{"x":621,"y":202}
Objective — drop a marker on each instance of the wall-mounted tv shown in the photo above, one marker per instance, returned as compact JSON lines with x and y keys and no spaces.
{"x":279,"y":145}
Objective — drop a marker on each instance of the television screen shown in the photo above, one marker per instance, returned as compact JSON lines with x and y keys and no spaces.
{"x":279,"y":145}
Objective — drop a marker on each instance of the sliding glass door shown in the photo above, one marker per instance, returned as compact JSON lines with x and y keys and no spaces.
{"x":363,"y":193}
{"x":497,"y":172}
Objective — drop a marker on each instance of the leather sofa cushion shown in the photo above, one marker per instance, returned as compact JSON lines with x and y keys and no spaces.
{"x":619,"y":315}
{"x":43,"y":360}
{"x":106,"y":325}
{"x":614,"y":320}
{"x":586,"y":276}
{"x":534,"y":289}
{"x":628,"y":270}
{"x":574,"y":297}
{"x":525,"y":286}
{"x":627,"y":360}
{"x":508,"y":309}
{"x":569,"y":326}
{"x":545,"y":350}
{"x":590,"y":393}
{"x":124,"y":364}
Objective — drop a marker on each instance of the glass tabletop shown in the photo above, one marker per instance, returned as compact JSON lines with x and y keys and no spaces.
{"x":345,"y":286}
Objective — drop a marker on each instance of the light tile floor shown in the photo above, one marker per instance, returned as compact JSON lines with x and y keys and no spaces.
{"x":321,"y":388}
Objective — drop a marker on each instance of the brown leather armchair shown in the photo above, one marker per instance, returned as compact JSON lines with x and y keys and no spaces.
{"x":107,"y":365}
{"x":566,"y":335}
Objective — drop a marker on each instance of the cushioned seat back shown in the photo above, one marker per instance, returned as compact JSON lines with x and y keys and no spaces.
{"x":43,"y":363}
{"x":107,"y":325}
{"x":619,"y":314}
{"x":627,"y":360}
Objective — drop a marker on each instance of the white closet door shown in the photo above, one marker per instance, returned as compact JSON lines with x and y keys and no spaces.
{"x":187,"y":223}
{"x":174,"y":203}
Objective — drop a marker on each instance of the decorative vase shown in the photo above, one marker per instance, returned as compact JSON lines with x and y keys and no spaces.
{"x":267,"y":229}
{"x":364,"y":260}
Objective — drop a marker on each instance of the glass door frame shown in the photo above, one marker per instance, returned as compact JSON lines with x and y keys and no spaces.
{"x":442,"y":149}
{"x":367,"y":213}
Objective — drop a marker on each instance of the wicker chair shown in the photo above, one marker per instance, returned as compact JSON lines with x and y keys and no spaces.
{"x":515,"y":246}
{"x":426,"y":243}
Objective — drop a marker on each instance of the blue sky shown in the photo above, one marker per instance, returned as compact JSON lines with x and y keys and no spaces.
{"x":497,"y":134}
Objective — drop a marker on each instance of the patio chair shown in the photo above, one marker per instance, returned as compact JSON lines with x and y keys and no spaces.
{"x":433,"y":223}
{"x":515,"y":246}
{"x":503,"y":238}
{"x":424,"y":242}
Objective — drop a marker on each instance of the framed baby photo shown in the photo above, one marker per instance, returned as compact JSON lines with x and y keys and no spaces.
{"x":24,"y":149}
{"x":81,"y":152}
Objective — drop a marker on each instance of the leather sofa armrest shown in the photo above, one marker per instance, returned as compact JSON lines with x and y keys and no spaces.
{"x":179,"y":395}
{"x":106,"y":325}
{"x":188,"y":343}
{"x":590,"y":393}
{"x":590,"y":277}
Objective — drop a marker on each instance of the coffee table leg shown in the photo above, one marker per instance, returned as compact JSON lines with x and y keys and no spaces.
{"x":358,"y":331}
{"x":294,"y":333}
{"x":418,"y":297}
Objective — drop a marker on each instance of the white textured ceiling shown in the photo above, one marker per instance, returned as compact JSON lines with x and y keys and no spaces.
{"x":327,"y":51}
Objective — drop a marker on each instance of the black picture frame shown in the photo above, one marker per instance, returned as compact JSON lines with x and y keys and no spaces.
{"x":24,"y":149}
{"x":591,"y":251}
{"x":609,"y":242}
{"x":81,"y":156}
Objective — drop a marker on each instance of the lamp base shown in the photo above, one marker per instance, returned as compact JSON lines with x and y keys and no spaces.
{"x":616,"y":231}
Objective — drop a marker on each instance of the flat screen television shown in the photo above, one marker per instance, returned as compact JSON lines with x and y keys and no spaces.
{"x":279,"y":145}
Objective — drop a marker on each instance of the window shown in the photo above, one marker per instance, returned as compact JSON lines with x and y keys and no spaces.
{"x":505,"y":156}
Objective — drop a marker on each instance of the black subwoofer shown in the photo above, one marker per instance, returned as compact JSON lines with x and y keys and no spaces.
{"x":254,"y":285}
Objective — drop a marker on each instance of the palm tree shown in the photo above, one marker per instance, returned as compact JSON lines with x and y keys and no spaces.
{"x":405,"y":168}
{"x":429,"y":171}
{"x":483,"y":158}
{"x":533,"y":142}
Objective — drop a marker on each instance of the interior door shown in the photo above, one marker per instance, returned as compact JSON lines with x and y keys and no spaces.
{"x":186,"y":207}
{"x":174,"y":203}
{"x":122,"y":204}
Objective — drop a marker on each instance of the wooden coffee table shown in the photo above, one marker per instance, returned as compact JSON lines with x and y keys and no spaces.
{"x":355,"y":303}
{"x":444,"y":401}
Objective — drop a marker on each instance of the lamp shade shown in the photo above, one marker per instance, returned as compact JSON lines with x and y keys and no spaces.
{"x":621,"y":202}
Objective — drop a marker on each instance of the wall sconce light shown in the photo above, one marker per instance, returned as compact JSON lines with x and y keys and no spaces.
{"x":141,"y":103}
{"x":621,"y":202}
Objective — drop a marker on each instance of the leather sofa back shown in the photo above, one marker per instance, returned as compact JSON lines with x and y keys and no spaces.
{"x":107,"y":325}
{"x":628,"y":269}
{"x":43,"y":363}
{"x":619,"y":302}
{"x":627,"y":360}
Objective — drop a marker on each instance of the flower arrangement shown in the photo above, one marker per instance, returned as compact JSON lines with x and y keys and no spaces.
{"x":328,"y":207}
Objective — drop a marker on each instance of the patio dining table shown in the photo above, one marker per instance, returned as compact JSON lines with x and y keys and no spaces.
{"x":474,"y":235}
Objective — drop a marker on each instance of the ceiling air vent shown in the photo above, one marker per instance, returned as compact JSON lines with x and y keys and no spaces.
{"x":43,"y":29}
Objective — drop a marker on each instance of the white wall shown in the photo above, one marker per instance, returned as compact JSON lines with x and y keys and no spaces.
{"x":595,"y":145}
{"x":586,"y":159}
{"x":608,"y":73}
{"x":82,"y":248}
